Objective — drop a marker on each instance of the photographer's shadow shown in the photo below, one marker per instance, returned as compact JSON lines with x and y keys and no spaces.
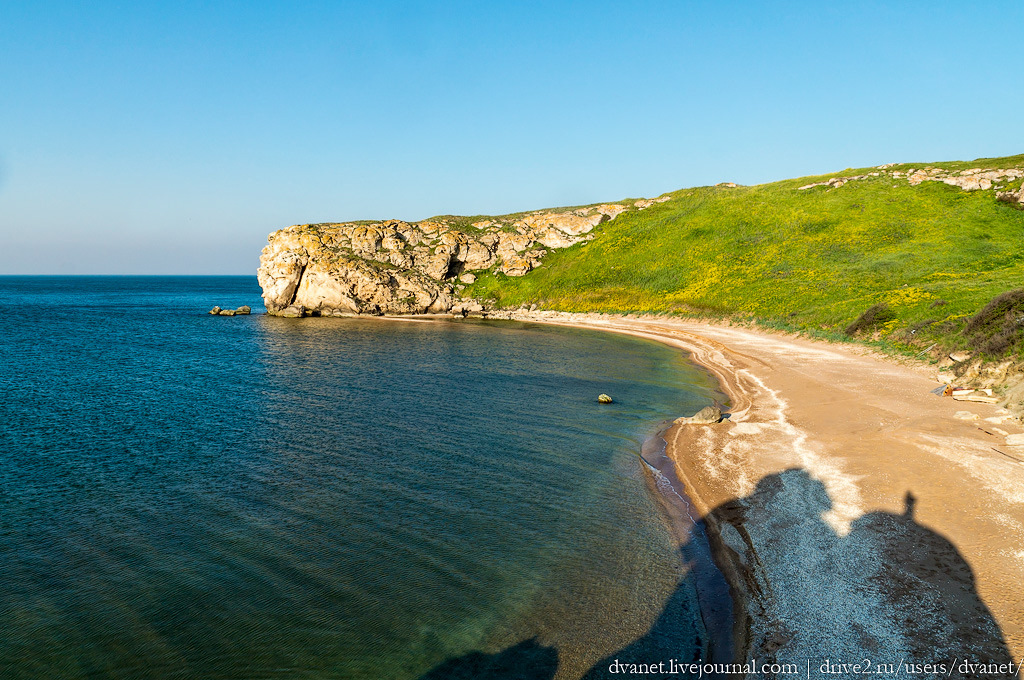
{"x":890,"y":590}
{"x":932,"y":589}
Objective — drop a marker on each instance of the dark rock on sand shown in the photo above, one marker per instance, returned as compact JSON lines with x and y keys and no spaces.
{"x":705,"y":416}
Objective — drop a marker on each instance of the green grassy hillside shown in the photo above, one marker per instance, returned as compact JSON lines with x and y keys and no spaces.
{"x":925,"y":257}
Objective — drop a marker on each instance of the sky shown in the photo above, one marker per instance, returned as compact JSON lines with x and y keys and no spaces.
{"x":171,"y":138}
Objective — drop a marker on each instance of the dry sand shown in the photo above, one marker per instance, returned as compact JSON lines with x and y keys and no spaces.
{"x":857,"y":518}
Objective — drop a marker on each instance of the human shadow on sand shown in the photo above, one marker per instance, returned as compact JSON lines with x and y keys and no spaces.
{"x":889,"y":592}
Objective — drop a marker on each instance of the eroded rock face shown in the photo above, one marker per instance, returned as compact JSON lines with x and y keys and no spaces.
{"x":1012,"y":197}
{"x":396,"y":267}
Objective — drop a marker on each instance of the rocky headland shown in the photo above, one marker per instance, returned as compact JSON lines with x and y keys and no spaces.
{"x":396,"y":267}
{"x":809,"y":255}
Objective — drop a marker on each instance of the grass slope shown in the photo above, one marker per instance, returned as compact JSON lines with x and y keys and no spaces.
{"x":811,"y":260}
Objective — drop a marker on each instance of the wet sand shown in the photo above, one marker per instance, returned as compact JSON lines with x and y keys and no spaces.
{"x":854,"y":516}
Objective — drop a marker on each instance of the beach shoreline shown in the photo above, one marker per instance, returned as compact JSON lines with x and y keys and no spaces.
{"x":853,"y":514}
{"x":722,"y":622}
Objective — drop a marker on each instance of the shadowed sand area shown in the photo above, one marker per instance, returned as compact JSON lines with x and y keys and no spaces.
{"x":855,"y":517}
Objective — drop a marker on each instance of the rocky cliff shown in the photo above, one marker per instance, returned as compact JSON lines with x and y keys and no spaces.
{"x":396,"y":267}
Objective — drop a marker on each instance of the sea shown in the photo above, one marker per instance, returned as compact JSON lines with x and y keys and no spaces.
{"x":193,"y":496}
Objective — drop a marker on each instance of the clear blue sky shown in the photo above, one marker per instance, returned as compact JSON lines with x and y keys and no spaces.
{"x":172,"y":137}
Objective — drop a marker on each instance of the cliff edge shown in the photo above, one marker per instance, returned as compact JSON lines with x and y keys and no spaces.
{"x":396,"y":267}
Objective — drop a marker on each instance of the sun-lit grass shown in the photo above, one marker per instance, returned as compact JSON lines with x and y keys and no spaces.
{"x":811,"y":260}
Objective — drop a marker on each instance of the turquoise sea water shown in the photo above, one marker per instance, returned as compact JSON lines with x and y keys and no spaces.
{"x":189,"y":496}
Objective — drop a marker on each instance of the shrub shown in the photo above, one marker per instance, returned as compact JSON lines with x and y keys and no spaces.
{"x":999,"y":326}
{"x":873,"y":316}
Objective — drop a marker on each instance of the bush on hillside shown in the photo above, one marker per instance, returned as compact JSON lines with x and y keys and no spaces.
{"x":999,"y":326}
{"x":873,"y":316}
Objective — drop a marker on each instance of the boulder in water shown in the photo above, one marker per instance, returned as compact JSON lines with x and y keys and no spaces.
{"x":244,"y":309}
{"x":604,"y":399}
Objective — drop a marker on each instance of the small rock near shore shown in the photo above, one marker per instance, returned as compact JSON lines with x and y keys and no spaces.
{"x":705,"y":416}
{"x":604,"y":399}
{"x":244,"y":309}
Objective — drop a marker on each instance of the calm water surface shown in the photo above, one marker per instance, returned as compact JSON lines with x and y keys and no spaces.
{"x":191,"y":496}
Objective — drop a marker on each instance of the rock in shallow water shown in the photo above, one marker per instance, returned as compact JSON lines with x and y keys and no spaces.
{"x":604,"y":399}
{"x":243,"y":310}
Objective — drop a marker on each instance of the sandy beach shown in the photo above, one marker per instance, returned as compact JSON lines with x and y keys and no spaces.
{"x":858,"y":516}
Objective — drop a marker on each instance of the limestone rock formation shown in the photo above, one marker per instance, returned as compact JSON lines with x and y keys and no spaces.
{"x":396,"y":267}
{"x":648,"y":202}
{"x":974,"y":179}
{"x":1015,"y":198}
{"x":706,"y":416}
{"x":241,"y":311}
{"x":292,"y":312}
